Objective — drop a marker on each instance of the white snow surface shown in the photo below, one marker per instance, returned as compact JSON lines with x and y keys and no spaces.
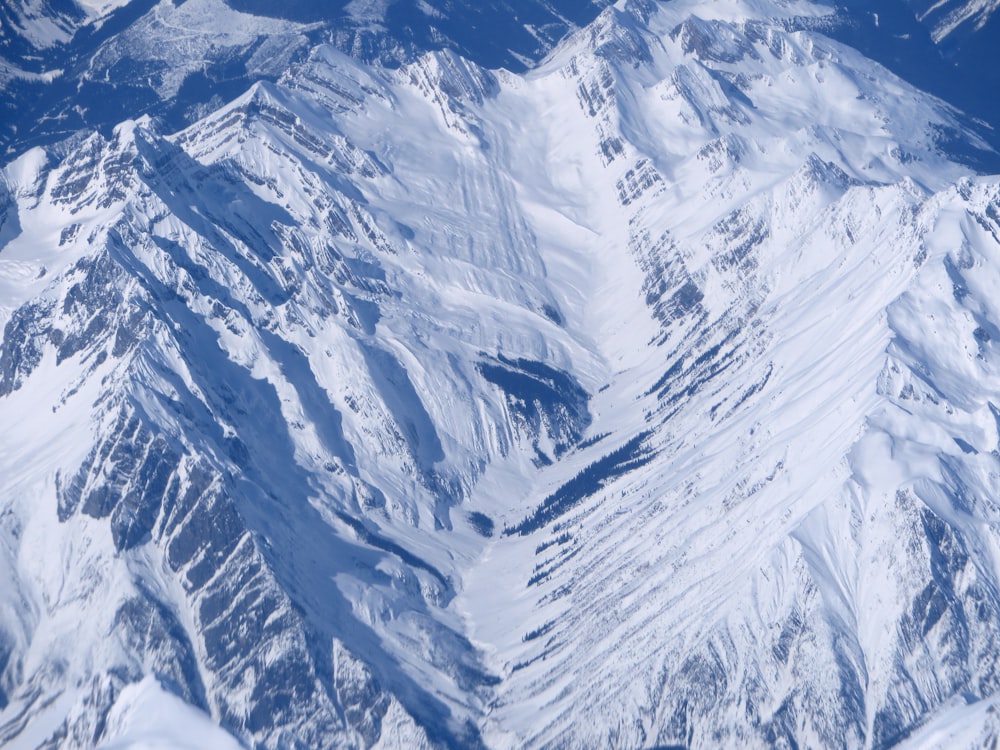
{"x":190,"y":37}
{"x":99,"y":8}
{"x":147,"y":717}
{"x":35,"y":21}
{"x":697,"y":313}
{"x":959,"y":725}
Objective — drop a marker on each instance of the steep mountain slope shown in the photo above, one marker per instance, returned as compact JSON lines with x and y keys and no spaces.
{"x":798,"y":553}
{"x":954,"y":63}
{"x":434,"y":406}
{"x":68,"y":66}
{"x":32,"y":26}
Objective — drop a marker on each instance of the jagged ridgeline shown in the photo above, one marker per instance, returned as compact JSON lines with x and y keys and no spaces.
{"x":69,"y":67}
{"x":646,"y":398}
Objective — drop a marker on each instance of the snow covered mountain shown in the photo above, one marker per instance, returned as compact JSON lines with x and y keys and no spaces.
{"x":71,"y":66}
{"x":649,"y":397}
{"x":68,"y":66}
{"x":931,"y":46}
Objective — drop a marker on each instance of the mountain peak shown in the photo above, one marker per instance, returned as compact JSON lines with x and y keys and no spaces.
{"x":422,"y":404}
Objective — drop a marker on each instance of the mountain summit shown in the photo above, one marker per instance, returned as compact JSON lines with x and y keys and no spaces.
{"x":71,"y":66}
{"x":646,"y":397}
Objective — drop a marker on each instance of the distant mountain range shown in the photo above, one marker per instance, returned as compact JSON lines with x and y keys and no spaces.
{"x":68,"y":66}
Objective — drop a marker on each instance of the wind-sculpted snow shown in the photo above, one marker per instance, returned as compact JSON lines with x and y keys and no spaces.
{"x":438,"y":406}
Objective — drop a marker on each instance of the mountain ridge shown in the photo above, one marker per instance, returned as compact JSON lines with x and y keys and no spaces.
{"x":381,"y":405}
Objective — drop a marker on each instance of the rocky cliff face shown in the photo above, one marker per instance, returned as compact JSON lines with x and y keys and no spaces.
{"x":440,"y":406}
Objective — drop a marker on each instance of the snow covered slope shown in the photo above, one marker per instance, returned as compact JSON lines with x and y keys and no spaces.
{"x":42,"y":24}
{"x":71,"y":66}
{"x":435,"y":406}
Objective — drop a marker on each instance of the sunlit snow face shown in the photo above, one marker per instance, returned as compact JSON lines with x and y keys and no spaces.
{"x":391,"y":403}
{"x":98,"y":8}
